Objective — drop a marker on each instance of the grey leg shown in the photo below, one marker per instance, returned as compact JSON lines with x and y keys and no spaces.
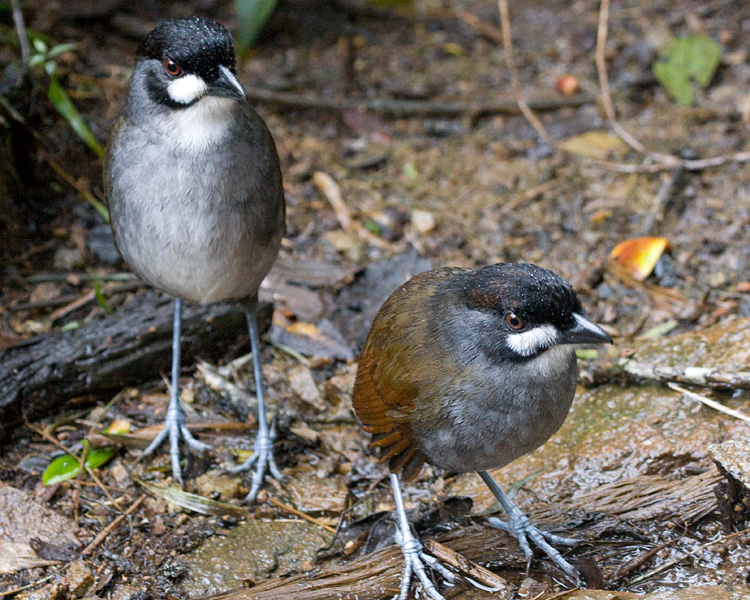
{"x":262,"y":456}
{"x":520,"y":527}
{"x":414,"y":557}
{"x":174,"y":424}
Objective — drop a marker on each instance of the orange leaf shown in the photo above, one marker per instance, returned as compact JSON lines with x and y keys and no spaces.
{"x":640,"y":255}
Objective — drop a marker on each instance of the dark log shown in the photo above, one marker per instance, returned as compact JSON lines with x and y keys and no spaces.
{"x":132,"y":346}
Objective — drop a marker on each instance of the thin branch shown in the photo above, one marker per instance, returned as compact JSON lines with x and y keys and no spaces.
{"x":113,"y":524}
{"x":712,"y":403}
{"x":408,"y":108}
{"x":300,"y":514}
{"x":663,"y":162}
{"x":21,"y":31}
{"x":517,"y":89}
{"x":679,"y":559}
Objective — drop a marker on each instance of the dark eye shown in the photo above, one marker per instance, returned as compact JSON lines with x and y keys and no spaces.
{"x":514,"y":321}
{"x":172,"y":67}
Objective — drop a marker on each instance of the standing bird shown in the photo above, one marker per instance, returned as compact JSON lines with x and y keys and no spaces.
{"x":469,"y":370}
{"x":195,"y":195}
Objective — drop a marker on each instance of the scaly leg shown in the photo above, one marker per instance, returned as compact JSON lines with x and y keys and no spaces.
{"x":414,"y":557}
{"x":174,"y":423}
{"x":262,"y":456}
{"x":520,"y":527}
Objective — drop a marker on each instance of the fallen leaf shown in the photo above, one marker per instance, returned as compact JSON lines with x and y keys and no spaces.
{"x":639,"y":255}
{"x":598,"y":144}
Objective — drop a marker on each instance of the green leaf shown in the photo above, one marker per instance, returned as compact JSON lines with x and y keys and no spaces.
{"x":59,"y":49}
{"x":100,"y":297}
{"x":68,"y":466}
{"x":251,"y":15}
{"x":69,"y":112}
{"x":685,"y":63}
{"x":40,"y":46}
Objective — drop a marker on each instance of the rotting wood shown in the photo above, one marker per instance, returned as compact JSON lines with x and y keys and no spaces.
{"x":130,"y":347}
{"x":376,"y":576}
{"x":649,"y":497}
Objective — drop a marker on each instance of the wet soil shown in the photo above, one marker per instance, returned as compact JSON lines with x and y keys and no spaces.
{"x":630,"y":472}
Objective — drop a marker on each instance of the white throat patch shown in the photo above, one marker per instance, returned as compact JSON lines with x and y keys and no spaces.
{"x":205,"y":123}
{"x":529,"y":342}
{"x":187,"y":89}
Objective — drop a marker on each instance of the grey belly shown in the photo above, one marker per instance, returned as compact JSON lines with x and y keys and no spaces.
{"x":192,"y":256}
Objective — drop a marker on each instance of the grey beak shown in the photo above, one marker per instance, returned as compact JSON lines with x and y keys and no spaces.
{"x":584,"y":332}
{"x":226,"y":86}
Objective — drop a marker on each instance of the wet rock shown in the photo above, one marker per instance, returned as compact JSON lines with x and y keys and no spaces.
{"x":79,"y":578}
{"x":218,"y":482}
{"x":22,"y":519}
{"x":733,"y":459}
{"x":69,"y":259}
{"x":278,"y":546}
{"x":313,"y":494}
{"x":359,"y":302}
{"x":101,"y":242}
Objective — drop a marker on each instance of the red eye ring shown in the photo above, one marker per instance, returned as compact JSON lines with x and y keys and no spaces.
{"x":171,"y":67}
{"x":514,"y":321}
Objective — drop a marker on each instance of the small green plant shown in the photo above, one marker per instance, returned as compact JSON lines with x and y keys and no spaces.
{"x":43,"y":58}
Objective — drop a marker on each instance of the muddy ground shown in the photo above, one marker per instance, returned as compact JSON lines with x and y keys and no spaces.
{"x":630,"y":472}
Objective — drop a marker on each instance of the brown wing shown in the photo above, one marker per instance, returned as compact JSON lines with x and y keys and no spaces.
{"x":384,"y":407}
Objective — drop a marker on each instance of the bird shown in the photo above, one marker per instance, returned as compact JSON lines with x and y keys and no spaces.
{"x":468,"y":370}
{"x":195,"y":197}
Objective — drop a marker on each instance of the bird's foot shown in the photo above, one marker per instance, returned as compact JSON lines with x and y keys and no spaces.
{"x":521,"y":527}
{"x":262,"y":458}
{"x":174,"y":429}
{"x":415,"y":561}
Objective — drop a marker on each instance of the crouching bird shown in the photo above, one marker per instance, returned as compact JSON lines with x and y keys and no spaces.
{"x":469,"y":370}
{"x":195,"y":197}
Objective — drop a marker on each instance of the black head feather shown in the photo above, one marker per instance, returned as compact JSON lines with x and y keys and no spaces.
{"x":536,"y":294}
{"x":197,"y":44}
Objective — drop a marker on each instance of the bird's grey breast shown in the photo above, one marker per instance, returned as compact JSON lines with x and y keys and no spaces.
{"x":198,"y":217}
{"x":497,"y":412}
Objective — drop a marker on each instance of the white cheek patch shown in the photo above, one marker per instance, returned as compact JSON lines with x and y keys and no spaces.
{"x":529,"y":342}
{"x":187,"y":89}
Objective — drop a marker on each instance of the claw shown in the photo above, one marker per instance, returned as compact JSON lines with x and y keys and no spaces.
{"x":263,"y":460}
{"x":521,"y":527}
{"x":174,"y":429}
{"x":414,"y":562}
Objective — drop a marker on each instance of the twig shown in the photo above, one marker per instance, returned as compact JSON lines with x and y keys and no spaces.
{"x":485,"y":30}
{"x":689,"y":165}
{"x":408,"y":108}
{"x":300,"y":514}
{"x":679,"y":559}
{"x":517,"y":89}
{"x":712,"y":403}
{"x":113,"y":524}
{"x":27,"y":586}
{"x":68,"y":277}
{"x":638,"y":561}
{"x":529,"y":194}
{"x":21,"y":31}
{"x":332,"y":192}
{"x":463,"y":565}
{"x":664,"y":162}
